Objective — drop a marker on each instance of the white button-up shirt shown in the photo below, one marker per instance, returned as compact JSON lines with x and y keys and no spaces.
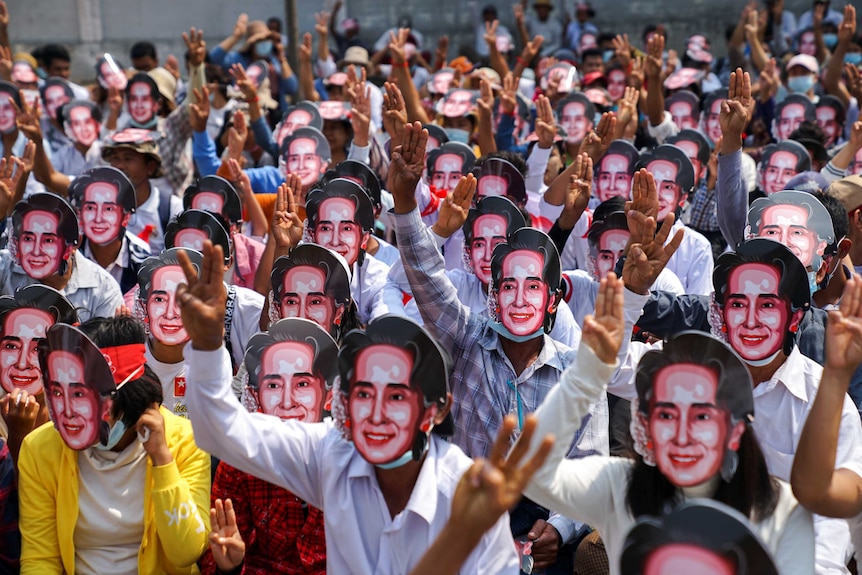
{"x":314,"y":462}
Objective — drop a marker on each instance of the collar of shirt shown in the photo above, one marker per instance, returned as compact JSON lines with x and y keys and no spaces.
{"x":83,"y":276}
{"x":789,"y":375}
{"x":550,"y":354}
{"x":151,"y":204}
{"x":423,"y":498}
{"x":122,"y":260}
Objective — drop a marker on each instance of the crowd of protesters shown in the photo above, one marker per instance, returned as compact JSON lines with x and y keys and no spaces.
{"x":564,"y":302}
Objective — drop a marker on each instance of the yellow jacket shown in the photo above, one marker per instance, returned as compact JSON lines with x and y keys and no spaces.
{"x":176,"y":504}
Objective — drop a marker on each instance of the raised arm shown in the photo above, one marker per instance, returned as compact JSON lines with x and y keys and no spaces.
{"x":832,"y":76}
{"x":28,"y":123}
{"x":816,"y":483}
{"x":239,"y":30}
{"x":731,"y":197}
{"x":285,"y":232}
{"x":306,"y":71}
{"x":485,"y":105}
{"x":401,"y":74}
{"x":653,"y":72}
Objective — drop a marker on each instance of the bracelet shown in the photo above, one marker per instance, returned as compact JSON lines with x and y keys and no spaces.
{"x":252,"y":100}
{"x":520,"y":61}
{"x":403,"y":64}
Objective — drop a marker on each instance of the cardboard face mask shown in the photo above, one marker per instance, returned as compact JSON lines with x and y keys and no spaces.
{"x":699,"y":536}
{"x":609,"y":248}
{"x":796,"y":220}
{"x":576,"y":115}
{"x":306,"y":153}
{"x":40,"y":246}
{"x":614,"y":177}
{"x":674,"y":177}
{"x":24,"y":322}
{"x":497,"y":177}
{"x":193,"y":227}
{"x":56,"y":93}
{"x":385,"y":411}
{"x":564,"y":74}
{"x":298,"y":116}
{"x":337,"y":228}
{"x":143,"y":100}
{"x":105,"y":199}
{"x":312,"y":283}
{"x":488,"y":225}
{"x":216,"y":195}
{"x":458,"y":102}
{"x":440,"y":81}
{"x":684,"y":108}
{"x":80,"y":124}
{"x":291,"y":370}
{"x":522,"y":293}
{"x":158,"y":279}
{"x":79,"y":386}
{"x":110,"y":73}
{"x":780,"y":163}
{"x":712,"y":113}
{"x":8,"y":115}
{"x":446,"y":165}
{"x":334,"y":110}
{"x":856,"y":165}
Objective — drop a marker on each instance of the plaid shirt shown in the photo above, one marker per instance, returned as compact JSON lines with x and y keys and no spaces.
{"x":10,"y":537}
{"x":175,"y":149}
{"x":484,"y":384}
{"x":704,"y":210}
{"x":282,"y":534}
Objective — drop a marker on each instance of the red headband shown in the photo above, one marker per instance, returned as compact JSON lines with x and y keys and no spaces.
{"x":125,"y":360}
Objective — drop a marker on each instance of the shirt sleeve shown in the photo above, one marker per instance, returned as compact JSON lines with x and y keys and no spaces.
{"x":40,"y":551}
{"x":10,"y":536}
{"x":666,"y":129}
{"x":795,"y":551}
{"x":284,"y":453}
{"x":263,"y":136}
{"x":731,"y":198}
{"x":573,"y":487}
{"x":204,"y":152}
{"x":537,"y":163}
{"x":443,"y":313}
{"x":181,"y":499}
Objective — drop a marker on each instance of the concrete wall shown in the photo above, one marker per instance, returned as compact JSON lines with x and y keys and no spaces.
{"x":90,"y":27}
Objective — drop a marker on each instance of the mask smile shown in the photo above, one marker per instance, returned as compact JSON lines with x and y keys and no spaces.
{"x":38,"y":262}
{"x":73,"y":430}
{"x":22,"y":380}
{"x":521,"y":317}
{"x":170,"y":328}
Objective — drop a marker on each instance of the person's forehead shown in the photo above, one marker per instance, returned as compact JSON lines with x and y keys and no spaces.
{"x":29,"y":319}
{"x":662,"y":168}
{"x":305,"y":278}
{"x":792,"y":110}
{"x":460,"y":95}
{"x":783,"y":158}
{"x":615,"y":163}
{"x":289,"y":356}
{"x":55,"y":91}
{"x":680,"y":107}
{"x":685,"y":383}
{"x":523,"y":263}
{"x":384,"y":363}
{"x":690,"y":148}
{"x":168,"y":277}
{"x":754,"y":279}
{"x":207,"y":196}
{"x":47,"y":222}
{"x":337,"y":208}
{"x":190,"y":238}
{"x":5,"y":98}
{"x":100,"y":192}
{"x":140,"y":88}
{"x":613,"y":238}
{"x":80,"y":112}
{"x":574,"y":109}
{"x":66,"y":366}
{"x":785,"y":214}
{"x":490,"y":225}
{"x":826,"y":112}
{"x":298,"y":116}
{"x":616,"y":75}
{"x":451,"y":161}
{"x":302,"y":146}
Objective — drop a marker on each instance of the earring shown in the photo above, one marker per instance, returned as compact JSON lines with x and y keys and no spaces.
{"x":649,"y":444}
{"x":729,"y":465}
{"x":724,"y":329}
{"x":347,"y":423}
{"x":425,"y":427}
{"x":794,"y":328}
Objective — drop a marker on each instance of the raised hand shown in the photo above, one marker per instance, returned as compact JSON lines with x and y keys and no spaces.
{"x":405,"y":169}
{"x":622,"y":50}
{"x":491,"y":32}
{"x":854,"y":81}
{"x":246,"y":86}
{"x":237,"y":135}
{"x":306,"y":48}
{"x":394,"y":111}
{"x":546,"y":126}
{"x":115,"y":101}
{"x":627,"y":114}
{"x":196,"y":46}
{"x":226,"y":543}
{"x":491,"y":487}
{"x":321,"y":23}
{"x":152,"y":420}
{"x":646,"y":260}
{"x":19,"y":410}
{"x":4,"y":14}
{"x":653,"y":62}
{"x":531,"y":49}
{"x":202,"y":301}
{"x":485,"y":103}
{"x":199,"y":111}
{"x":844,"y":330}
{"x":847,"y":28}
{"x":518,"y":12}
{"x":396,"y":46}
{"x":578,"y":193}
{"x":27,"y":119}
{"x":644,"y":195}
{"x":603,"y":331}
{"x":442,"y":52}
{"x":241,"y":26}
{"x":596,"y":143}
{"x":736,"y":111}
{"x":454,"y":209}
{"x":6,"y":63}
{"x":360,"y":113}
{"x":286,"y":226}
{"x":508,"y":97}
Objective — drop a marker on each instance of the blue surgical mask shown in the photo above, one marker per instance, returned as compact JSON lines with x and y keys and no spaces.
{"x":458,"y":135}
{"x":407,"y":456}
{"x":114,"y":437}
{"x":812,"y":282}
{"x":263,"y":48}
{"x":504,"y":332}
{"x":800,"y":84}
{"x":607,"y":55}
{"x":853,"y":58}
{"x":831,"y":40}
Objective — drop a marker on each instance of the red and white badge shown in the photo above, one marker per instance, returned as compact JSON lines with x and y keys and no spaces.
{"x":180,"y":386}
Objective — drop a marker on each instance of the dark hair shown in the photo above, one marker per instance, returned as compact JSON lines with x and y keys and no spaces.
{"x":703,"y":523}
{"x":66,"y":110}
{"x":274,"y":20}
{"x":592,"y":53}
{"x":207,"y":222}
{"x":12,"y":90}
{"x":341,"y":188}
{"x":621,"y":148}
{"x":611,"y":221}
{"x":829,"y":101}
{"x":672,"y":154}
{"x":112,"y":176}
{"x":468,"y":158}
{"x":231,"y":208}
{"x":697,"y":139}
{"x":838,"y":214}
{"x":67,"y":220}
{"x":801,"y":99}
{"x":608,"y":207}
{"x":144,"y":78}
{"x":307,"y":132}
{"x":166,"y":258}
{"x":143,"y":49}
{"x":751,"y":490}
{"x":325,"y":362}
{"x":496,"y":205}
{"x":516,"y":188}
{"x":355,"y":170}
{"x":578,"y":97}
{"x":51,"y":52}
{"x":136,"y":395}
{"x":535,"y":241}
